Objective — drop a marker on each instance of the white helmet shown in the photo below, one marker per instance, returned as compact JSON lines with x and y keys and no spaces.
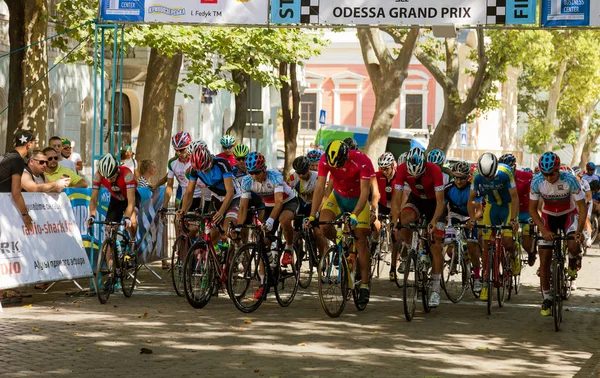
{"x":487,"y":165}
{"x":416,"y":162}
{"x":107,"y":166}
{"x":402,"y":158}
{"x":386,"y":160}
{"x":197,"y":143}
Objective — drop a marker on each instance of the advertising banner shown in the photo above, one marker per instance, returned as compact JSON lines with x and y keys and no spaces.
{"x":53,"y":251}
{"x":122,"y":10}
{"x":521,"y":12}
{"x":567,"y":13}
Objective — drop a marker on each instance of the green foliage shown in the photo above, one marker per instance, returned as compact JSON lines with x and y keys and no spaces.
{"x":537,"y":136}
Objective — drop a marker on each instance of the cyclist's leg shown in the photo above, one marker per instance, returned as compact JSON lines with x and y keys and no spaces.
{"x":114,"y":213}
{"x":570,"y":228}
{"x":428,"y":209}
{"x":526,"y":235}
{"x":487,"y":235}
{"x":362,"y":232}
{"x":546,"y":251}
{"x":408,"y":214}
{"x":286,"y":218}
{"x":508,"y":243}
{"x":329,"y":212}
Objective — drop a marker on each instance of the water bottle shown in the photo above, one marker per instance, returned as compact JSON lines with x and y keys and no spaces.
{"x":273,"y":255}
{"x":424,"y":257}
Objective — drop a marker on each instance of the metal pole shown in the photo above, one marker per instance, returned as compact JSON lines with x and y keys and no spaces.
{"x":102,"y":73}
{"x":95,"y":122}
{"x":113,"y":91}
{"x":122,"y":52}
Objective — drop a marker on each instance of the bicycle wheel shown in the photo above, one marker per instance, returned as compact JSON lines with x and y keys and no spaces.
{"x":567,"y":284}
{"x":558,"y":288}
{"x":594,"y":224}
{"x":302,"y":246}
{"x":333,"y":283}
{"x":129,"y":271}
{"x":426,"y":288}
{"x":104,"y":276}
{"x":355,"y":290}
{"x":198,"y":275}
{"x":286,"y":280}
{"x":504,"y":277}
{"x":410,"y":285}
{"x":244,"y":278}
{"x":400,"y":279}
{"x":490,"y":279}
{"x":179,"y":248}
{"x":454,"y":273}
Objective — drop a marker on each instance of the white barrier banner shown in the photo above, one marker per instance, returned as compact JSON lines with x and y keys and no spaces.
{"x":53,"y":251}
{"x":208,"y":11}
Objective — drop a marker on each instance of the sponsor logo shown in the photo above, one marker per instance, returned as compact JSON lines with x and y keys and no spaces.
{"x":173,"y":12}
{"x":388,"y":189}
{"x":560,"y":187}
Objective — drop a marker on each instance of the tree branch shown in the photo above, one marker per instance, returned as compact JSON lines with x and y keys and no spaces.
{"x":408,"y":47}
{"x":379,"y":47}
{"x":371,"y":62}
{"x":432,"y":66}
{"x":482,"y":78}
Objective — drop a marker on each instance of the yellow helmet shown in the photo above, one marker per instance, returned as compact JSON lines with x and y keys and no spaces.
{"x":337,"y":153}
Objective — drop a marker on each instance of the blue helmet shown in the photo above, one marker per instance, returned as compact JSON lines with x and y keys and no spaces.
{"x":590,"y":166}
{"x":255,"y":162}
{"x":527,"y":169}
{"x":228,"y":141}
{"x":314,"y":156}
{"x":508,"y":159}
{"x":436,"y":157}
{"x":549,"y":162}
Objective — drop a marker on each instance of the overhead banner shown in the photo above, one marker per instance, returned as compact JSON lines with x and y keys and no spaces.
{"x":207,"y":12}
{"x":521,"y":12}
{"x":53,"y":251}
{"x":568,"y":13}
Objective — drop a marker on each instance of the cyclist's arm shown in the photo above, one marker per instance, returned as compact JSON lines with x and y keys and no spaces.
{"x":582,"y":210}
{"x":278,"y":196}
{"x":168,"y":192}
{"x":365,"y":189}
{"x":588,"y":196}
{"x":130,"y":203}
{"x":514,"y":203}
{"x":318,"y":195}
{"x":329,"y":187}
{"x":230,"y":193}
{"x":473,"y":213}
{"x":186,"y":202}
{"x":94,"y":202}
{"x":243,"y":211}
{"x":534,"y":214}
{"x":440,"y":205}
{"x":375,"y":195}
{"x":478,"y":209}
{"x":397,"y":202}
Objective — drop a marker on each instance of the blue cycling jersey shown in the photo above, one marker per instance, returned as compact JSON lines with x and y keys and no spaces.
{"x":497,"y":191}
{"x":215,"y":178}
{"x":238,"y":173}
{"x":457,"y":199}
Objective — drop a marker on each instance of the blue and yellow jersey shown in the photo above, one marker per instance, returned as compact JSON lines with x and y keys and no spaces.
{"x":496,"y":190}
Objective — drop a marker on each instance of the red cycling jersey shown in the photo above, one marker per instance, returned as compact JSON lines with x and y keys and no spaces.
{"x":118,"y":189}
{"x":346,"y":180}
{"x":424,"y":186}
{"x":386,"y":187}
{"x":523,"y":181}
{"x":229,"y":158}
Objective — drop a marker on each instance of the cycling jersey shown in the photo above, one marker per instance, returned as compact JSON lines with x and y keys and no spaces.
{"x":215,"y":178}
{"x":386,"y":187}
{"x":523,"y":182}
{"x":304,"y":188}
{"x":497,"y":190}
{"x":346,"y":180}
{"x":182,"y":170}
{"x":446,"y":174}
{"x":458,"y":199}
{"x":558,"y":197}
{"x":117,"y":189}
{"x":230,"y":158}
{"x":238,"y":173}
{"x":424,"y":186}
{"x":589,"y":179}
{"x":272,"y":184}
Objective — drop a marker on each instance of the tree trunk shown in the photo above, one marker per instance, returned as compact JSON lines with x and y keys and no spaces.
{"x":554,"y":94}
{"x":584,"y":119}
{"x":28,"y":24}
{"x":242,"y":79}
{"x":587,"y":149}
{"x":291,"y":117}
{"x":158,"y":108}
{"x":447,"y":127}
{"x":386,"y":109}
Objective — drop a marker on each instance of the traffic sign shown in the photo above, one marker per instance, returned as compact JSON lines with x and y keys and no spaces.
{"x":463,"y":134}
{"x":322,"y":117}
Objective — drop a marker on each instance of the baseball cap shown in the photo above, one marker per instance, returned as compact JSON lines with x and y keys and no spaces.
{"x":24,"y":137}
{"x":66,"y":142}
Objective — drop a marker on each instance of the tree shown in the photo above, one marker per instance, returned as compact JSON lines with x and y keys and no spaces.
{"x":387,"y":74}
{"x":291,"y":116}
{"x":28,"y":24}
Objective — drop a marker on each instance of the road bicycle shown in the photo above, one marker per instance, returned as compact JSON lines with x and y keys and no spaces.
{"x":380,"y":254}
{"x":457,"y":272}
{"x":308,"y":254}
{"x":180,"y":248}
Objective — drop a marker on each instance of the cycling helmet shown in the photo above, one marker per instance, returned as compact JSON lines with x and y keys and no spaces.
{"x":565,"y":168}
{"x":241,"y":150}
{"x":228,"y":141}
{"x":387,"y":159}
{"x":549,"y":162}
{"x":201,"y":159}
{"x":487,"y":165}
{"x":195,"y":144}
{"x":462,"y":168}
{"x":509,"y":159}
{"x":181,"y":140}
{"x":107,"y":166}
{"x":416,"y":163}
{"x":590,"y":166}
{"x":527,"y":169}
{"x":301,"y":164}
{"x":314,"y":156}
{"x":337,"y":153}
{"x":594,"y":185}
{"x":576,"y":170}
{"x":352,"y":143}
{"x":402,"y":158}
{"x":536,"y":170}
{"x":255,"y":162}
{"x":436,"y":157}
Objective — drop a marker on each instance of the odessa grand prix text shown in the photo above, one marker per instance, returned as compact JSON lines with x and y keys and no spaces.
{"x":62,"y":227}
{"x":423,"y":13}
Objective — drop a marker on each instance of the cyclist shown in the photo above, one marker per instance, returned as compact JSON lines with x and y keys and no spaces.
{"x":438,"y":158}
{"x":314,"y":156}
{"x":280,"y":204}
{"x":216,"y":174}
{"x":240,"y":152}
{"x":304,"y":182}
{"x":457,"y":197}
{"x":124,"y":198}
{"x":385,"y":177}
{"x":523,"y":182}
{"x":497,"y":182}
{"x":352,"y":172}
{"x":352,"y":143}
{"x":589,"y":201}
{"x":228,"y":142}
{"x":564,"y":208}
{"x":426,"y":199}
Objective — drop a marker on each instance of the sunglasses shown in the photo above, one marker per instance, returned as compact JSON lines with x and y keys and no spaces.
{"x":228,"y":148}
{"x":66,"y":147}
{"x":549,"y":174}
{"x":254,"y":173}
{"x":240,"y":158}
{"x":385,"y":169}
{"x":41,"y":162}
{"x":181,"y":150}
{"x":50,"y":158}
{"x":460,"y":178}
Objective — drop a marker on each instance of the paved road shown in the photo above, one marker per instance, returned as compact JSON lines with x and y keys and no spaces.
{"x":59,"y":335}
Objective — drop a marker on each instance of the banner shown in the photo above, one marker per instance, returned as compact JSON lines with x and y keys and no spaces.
{"x":217,"y":12}
{"x":53,"y":251}
{"x":567,"y":13}
{"x":521,"y":12}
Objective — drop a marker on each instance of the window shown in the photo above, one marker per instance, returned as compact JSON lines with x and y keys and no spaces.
{"x":125,"y":122}
{"x":308,"y":111}
{"x":414,"y":111}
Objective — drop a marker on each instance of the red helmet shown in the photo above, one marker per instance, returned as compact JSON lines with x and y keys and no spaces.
{"x":255,"y":162}
{"x":181,"y":140}
{"x":201,"y":159}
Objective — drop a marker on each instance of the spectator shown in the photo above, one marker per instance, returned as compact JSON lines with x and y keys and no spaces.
{"x":68,"y":153}
{"x":55,"y":171}
{"x":147,"y":170}
{"x":34,"y":180}
{"x":56,"y":143}
{"x":11,"y":170}
{"x":128,"y":160}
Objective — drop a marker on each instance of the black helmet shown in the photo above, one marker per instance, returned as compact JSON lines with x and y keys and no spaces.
{"x":352,"y":143}
{"x":301,"y":164}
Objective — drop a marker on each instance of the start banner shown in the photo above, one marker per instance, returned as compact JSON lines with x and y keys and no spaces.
{"x":52,"y":251}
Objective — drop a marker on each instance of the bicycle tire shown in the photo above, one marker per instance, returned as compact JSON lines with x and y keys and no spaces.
{"x":426,"y":291}
{"x":455,"y":291}
{"x":305,"y":262}
{"x":177,"y":265}
{"x":331,"y":276}
{"x":557,"y":286}
{"x":129,"y":271}
{"x":504,"y":277}
{"x":399,"y":279}
{"x":355,"y":290}
{"x":490,"y":279}
{"x":105,"y":271}
{"x":243,"y":278}
{"x":410,"y":286}
{"x":286,"y":280}
{"x":198,"y":275}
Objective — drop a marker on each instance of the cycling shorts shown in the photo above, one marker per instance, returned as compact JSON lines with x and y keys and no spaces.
{"x":524,"y":219}
{"x":495,"y":215}
{"x":339,"y":205}
{"x":566,"y":222}
{"x":450,"y":233}
{"x":383,"y":210}
{"x":230,"y":212}
{"x":425,"y":208}
{"x":116,"y":208}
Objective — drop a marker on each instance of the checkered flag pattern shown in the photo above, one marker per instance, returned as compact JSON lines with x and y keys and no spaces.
{"x":496,"y":12}
{"x":309,"y":12}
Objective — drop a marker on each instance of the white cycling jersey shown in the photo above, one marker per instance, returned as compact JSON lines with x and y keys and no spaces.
{"x":559,"y":197}
{"x":273,"y":184}
{"x":180,"y":170}
{"x":304,"y":188}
